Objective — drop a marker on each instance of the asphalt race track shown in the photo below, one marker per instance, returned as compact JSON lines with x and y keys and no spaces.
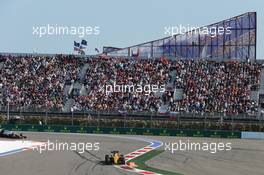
{"x":246,"y":157}
{"x":66,"y":162}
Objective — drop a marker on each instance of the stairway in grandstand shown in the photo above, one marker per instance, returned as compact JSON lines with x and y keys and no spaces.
{"x":1,"y":88}
{"x":83,"y":72}
{"x":261,"y":90}
{"x":1,"y":65}
{"x":173,"y":75}
{"x":67,"y":106}
{"x":75,"y":89}
{"x":258,"y":95}
{"x":67,"y":90}
{"x":170,"y":86}
{"x":262,"y":81}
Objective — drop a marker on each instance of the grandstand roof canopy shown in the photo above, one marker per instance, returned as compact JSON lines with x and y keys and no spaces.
{"x":237,"y":41}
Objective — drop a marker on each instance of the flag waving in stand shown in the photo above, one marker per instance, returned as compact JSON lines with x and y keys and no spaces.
{"x":83,"y":44}
{"x":164,"y":60}
{"x":80,"y":47}
{"x":97,"y":50}
{"x":135,"y":55}
{"x":76,"y":46}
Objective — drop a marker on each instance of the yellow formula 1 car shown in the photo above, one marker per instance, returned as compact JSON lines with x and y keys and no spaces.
{"x":115,"y":159}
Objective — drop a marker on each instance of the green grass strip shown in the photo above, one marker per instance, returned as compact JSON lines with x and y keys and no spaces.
{"x":141,"y":160}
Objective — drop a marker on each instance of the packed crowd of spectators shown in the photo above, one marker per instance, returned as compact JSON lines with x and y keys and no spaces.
{"x":207,"y":86}
{"x":36,"y":82}
{"x":211,"y":86}
{"x":123,"y":72}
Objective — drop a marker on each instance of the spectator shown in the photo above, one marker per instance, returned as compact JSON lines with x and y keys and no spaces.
{"x":208,"y":86}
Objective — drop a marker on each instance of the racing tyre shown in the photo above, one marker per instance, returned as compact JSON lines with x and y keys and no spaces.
{"x":107,"y":160}
{"x":122,"y":160}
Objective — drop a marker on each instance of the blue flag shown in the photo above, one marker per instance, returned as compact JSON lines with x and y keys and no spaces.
{"x":84,"y":42}
{"x":76,"y":46}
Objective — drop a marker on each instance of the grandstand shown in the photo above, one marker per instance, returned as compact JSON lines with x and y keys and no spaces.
{"x":204,"y":75}
{"x":60,"y":82}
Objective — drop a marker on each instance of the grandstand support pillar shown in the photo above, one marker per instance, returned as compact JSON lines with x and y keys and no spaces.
{"x":205,"y":120}
{"x":72,"y":111}
{"x":20,"y":112}
{"x":98,"y":119}
{"x":89,"y":117}
{"x":250,"y":121}
{"x":8,"y":117}
{"x":125,"y":120}
{"x":46,"y":117}
{"x":178,"y":121}
{"x":151,"y":119}
{"x":262,"y":123}
{"x":232,"y":122}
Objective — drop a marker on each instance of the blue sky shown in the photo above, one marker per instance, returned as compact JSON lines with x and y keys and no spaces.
{"x":122,"y":22}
